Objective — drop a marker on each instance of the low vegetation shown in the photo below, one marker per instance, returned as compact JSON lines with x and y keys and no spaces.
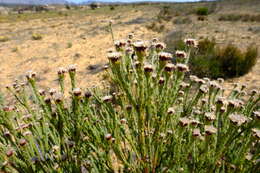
{"x":151,"y":119}
{"x":202,"y":11}
{"x":4,"y":38}
{"x":240,"y":17}
{"x":214,"y":61}
{"x":37,"y":36}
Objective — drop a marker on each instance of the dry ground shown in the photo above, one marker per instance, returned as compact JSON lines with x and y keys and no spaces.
{"x":82,"y":38}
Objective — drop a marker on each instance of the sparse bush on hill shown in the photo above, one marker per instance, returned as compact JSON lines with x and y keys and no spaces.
{"x":154,"y":120}
{"x":182,"y":20}
{"x":202,"y":11}
{"x":37,"y":36}
{"x":4,"y":38}
{"x":240,"y":17}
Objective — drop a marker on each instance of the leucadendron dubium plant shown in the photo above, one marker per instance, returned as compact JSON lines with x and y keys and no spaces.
{"x":155,"y":118}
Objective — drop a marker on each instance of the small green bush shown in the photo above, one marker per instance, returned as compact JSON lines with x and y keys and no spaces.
{"x":36,"y":36}
{"x":202,"y":11}
{"x":213,"y":61}
{"x":4,"y":38}
{"x":240,"y":17}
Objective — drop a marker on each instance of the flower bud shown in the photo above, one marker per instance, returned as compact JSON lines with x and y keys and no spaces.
{"x":22,"y":142}
{"x":108,"y":98}
{"x":238,"y":119}
{"x":108,"y":136}
{"x":161,"y":81}
{"x":159,"y":46}
{"x":180,"y":54}
{"x":9,"y":152}
{"x":165,"y":56}
{"x":72,"y":68}
{"x":191,"y":42}
{"x":120,"y":45}
{"x":114,"y":57}
{"x":31,"y":75}
{"x":209,"y":130}
{"x":88,"y":94}
{"x":196,"y":132}
{"x":184,"y":121}
{"x":182,"y":67}
{"x":76,"y":92}
{"x":169,"y":67}
{"x":170,"y":111}
{"x":140,"y":48}
{"x":61,"y":71}
{"x":148,"y":68}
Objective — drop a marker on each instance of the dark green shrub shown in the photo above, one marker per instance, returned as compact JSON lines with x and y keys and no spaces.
{"x":210,"y":60}
{"x":240,"y":17}
{"x":203,"y":11}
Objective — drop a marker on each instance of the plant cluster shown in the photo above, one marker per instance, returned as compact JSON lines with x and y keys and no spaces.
{"x":214,"y":61}
{"x":36,"y":36}
{"x":4,"y":38}
{"x":151,"y":119}
{"x":240,"y":17}
{"x":202,"y":11}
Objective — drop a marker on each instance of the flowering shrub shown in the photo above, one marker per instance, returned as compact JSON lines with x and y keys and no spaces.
{"x":154,"y":121}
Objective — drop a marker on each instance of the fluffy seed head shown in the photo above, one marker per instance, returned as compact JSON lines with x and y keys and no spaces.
{"x":171,"y":111}
{"x":159,"y":46}
{"x":148,"y":68}
{"x":161,"y":80}
{"x":108,"y":136}
{"x":108,"y":98}
{"x":180,"y":54}
{"x":120,"y":44}
{"x":9,"y":152}
{"x":72,"y":68}
{"x":77,"y":92}
{"x":114,"y":56}
{"x":204,"y":89}
{"x":58,"y":97}
{"x":184,"y":121}
{"x":191,"y":42}
{"x":31,"y":75}
{"x":165,"y":56}
{"x":130,"y":36}
{"x":169,"y":67}
{"x":209,"y":129}
{"x":256,"y":133}
{"x":123,"y":121}
{"x":22,"y":142}
{"x":182,"y":67}
{"x":256,"y":115}
{"x":140,"y":46}
{"x":237,"y":119}
{"x":210,"y":116}
{"x":196,"y":132}
{"x":52,"y":91}
{"x":88,"y":94}
{"x":61,"y":71}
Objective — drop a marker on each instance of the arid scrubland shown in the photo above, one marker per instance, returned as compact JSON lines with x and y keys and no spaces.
{"x":81,"y":37}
